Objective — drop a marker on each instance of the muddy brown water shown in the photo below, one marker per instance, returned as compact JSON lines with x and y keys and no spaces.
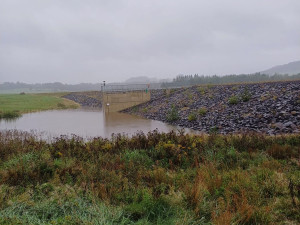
{"x":85,"y":123}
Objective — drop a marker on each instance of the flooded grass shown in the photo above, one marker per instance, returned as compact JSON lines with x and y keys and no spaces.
{"x":154,"y":178}
{"x":9,"y":115}
{"x":10,"y":104}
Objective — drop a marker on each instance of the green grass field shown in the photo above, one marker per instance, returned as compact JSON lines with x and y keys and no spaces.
{"x":33,"y":102}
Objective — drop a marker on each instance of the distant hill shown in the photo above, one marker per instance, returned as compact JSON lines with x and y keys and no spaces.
{"x":146,"y":80}
{"x":138,"y":80}
{"x":141,"y":80}
{"x":18,"y":87}
{"x":9,"y":87}
{"x":290,"y":68}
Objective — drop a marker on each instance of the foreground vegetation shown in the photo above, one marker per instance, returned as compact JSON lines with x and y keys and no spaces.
{"x":13,"y":105}
{"x":156,"y":178}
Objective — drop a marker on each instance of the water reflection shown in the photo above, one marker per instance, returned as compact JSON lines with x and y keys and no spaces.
{"x":9,"y":119}
{"x":84,"y":123}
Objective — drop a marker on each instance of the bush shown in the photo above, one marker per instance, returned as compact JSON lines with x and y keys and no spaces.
{"x":145,"y":110}
{"x":233,"y":100}
{"x":246,"y":96}
{"x":202,"y":111}
{"x":172,"y":114}
{"x":202,"y":90}
{"x":192,"y":116}
{"x":135,"y":109}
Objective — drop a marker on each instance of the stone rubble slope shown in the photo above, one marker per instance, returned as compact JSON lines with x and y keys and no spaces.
{"x":271,"y":108}
{"x":85,"y":100}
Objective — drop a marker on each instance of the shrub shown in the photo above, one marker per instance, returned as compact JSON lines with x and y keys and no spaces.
{"x":192,"y":116}
{"x":202,"y":111}
{"x":145,"y":110}
{"x":135,"y":109}
{"x":246,"y":96}
{"x":172,"y":114}
{"x":233,"y":100}
{"x":138,"y":156}
{"x":202,"y":90}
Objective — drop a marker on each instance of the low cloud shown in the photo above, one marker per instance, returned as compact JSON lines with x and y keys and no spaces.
{"x":75,"y":41}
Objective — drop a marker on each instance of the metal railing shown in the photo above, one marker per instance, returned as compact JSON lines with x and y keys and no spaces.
{"x":130,"y":87}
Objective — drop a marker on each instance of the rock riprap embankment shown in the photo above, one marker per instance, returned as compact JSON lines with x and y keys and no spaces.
{"x":92,"y":99}
{"x":271,"y":108}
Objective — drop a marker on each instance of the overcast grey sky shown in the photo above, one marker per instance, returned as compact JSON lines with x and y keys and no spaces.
{"x":74,"y":41}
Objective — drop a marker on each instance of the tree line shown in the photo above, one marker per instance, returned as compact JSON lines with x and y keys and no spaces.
{"x":189,"y":80}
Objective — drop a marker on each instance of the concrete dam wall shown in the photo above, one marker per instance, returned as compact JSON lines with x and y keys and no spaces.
{"x":114,"y":102}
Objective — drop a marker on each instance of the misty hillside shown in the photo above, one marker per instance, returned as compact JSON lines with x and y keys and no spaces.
{"x":18,"y":87}
{"x":9,"y":87}
{"x":290,"y":68}
{"x":141,"y":80}
{"x":146,"y":80}
{"x":190,"y":80}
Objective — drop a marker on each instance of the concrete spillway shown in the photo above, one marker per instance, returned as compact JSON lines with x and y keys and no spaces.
{"x":117,"y":101}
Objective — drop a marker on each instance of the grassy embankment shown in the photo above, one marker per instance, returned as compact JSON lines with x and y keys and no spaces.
{"x":13,"y":105}
{"x":150,"y":179}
